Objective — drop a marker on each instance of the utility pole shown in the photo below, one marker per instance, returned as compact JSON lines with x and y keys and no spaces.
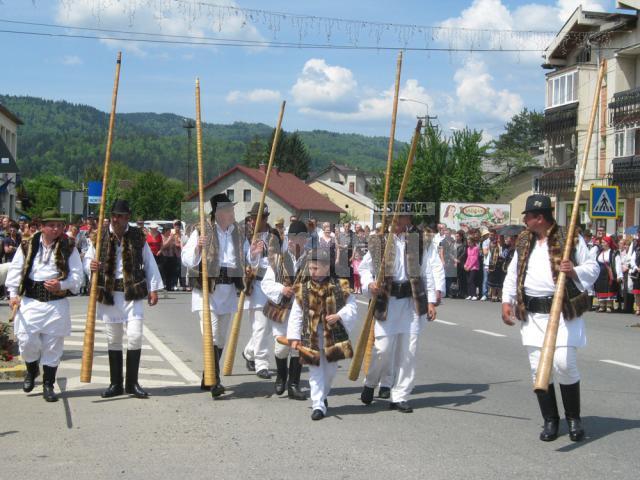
{"x":426,"y":119}
{"x":189,"y":125}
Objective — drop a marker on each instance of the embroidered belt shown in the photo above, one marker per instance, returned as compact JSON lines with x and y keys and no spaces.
{"x":538,"y":304}
{"x":118,"y":285}
{"x":37,"y":291}
{"x":400,"y":289}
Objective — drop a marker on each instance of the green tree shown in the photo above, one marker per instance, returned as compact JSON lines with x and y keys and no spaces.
{"x":255,"y":153}
{"x":515,"y":148}
{"x":43,"y":193}
{"x":155,"y":196}
{"x":294,"y":158}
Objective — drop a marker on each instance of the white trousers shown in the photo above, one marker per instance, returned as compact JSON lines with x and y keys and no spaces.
{"x":219,"y":325}
{"x":399,"y":351}
{"x":320,"y":380}
{"x":115,"y":333}
{"x":41,"y":347}
{"x":565,"y":366}
{"x":281,"y":351}
{"x":257,"y":349}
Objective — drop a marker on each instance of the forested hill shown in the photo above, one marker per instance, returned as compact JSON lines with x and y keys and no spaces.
{"x":64,"y":139}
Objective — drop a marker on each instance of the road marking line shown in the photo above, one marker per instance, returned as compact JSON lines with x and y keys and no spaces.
{"x":171,"y":357}
{"x":81,"y":334}
{"x":362,"y":302}
{"x":622,"y":364}
{"x":75,"y":343}
{"x":444,"y":322}
{"x":105,"y":368}
{"x":486,"y":332}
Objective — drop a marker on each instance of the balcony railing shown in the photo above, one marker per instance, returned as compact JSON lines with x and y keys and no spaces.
{"x":625,"y":108}
{"x":625,"y":173}
{"x":560,"y":121}
{"x":557,"y":180}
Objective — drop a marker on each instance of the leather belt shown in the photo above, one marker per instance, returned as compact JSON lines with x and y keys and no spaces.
{"x":224,"y":278}
{"x":538,"y":304}
{"x":118,"y":286}
{"x":400,"y":289}
{"x":37,"y":291}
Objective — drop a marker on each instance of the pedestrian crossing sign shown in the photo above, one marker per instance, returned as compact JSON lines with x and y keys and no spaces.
{"x":603,"y":202}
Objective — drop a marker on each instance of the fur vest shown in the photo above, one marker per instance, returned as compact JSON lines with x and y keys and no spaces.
{"x":286,"y":274}
{"x":134,"y":278}
{"x":61,"y":253}
{"x":413,"y":260}
{"x":213,"y":258}
{"x":317,"y":301}
{"x":575,"y":302}
{"x":274,"y":245}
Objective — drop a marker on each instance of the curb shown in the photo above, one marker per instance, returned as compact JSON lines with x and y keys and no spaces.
{"x":14,"y":372}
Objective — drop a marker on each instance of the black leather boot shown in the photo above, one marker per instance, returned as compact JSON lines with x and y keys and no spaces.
{"x":571,"y":402}
{"x":218,"y":388}
{"x":48,"y":382}
{"x":115,"y":375}
{"x":33,"y":372}
{"x":281,"y":378}
{"x":295,"y":369}
{"x":131,"y":385}
{"x":366,"y":396}
{"x":549,"y":410}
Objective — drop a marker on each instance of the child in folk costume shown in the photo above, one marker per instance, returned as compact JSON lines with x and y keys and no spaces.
{"x":322,"y":315}
{"x":278,"y":285}
{"x":43,"y":272}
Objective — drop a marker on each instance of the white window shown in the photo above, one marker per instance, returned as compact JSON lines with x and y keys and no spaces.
{"x":562,"y":89}
{"x":625,"y":142}
{"x":619,"y":144}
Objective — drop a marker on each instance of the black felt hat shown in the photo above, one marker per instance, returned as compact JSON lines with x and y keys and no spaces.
{"x":220,"y":200}
{"x":297,"y":227}
{"x":120,"y":207}
{"x":538,"y":203}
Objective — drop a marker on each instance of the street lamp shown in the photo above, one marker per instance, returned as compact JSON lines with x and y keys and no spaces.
{"x":405,"y":99}
{"x":426,"y":119}
{"x":189,"y":125}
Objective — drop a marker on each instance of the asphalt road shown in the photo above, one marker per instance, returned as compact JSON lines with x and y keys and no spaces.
{"x":474,"y":412}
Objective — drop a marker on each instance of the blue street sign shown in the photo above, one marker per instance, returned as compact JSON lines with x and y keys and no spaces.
{"x":603,"y":202}
{"x":94,"y":192}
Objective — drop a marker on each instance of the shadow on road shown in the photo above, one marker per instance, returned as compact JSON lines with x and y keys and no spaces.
{"x":597,"y":428}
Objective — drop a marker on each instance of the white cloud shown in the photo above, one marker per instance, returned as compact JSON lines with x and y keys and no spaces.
{"x":321,"y":84}
{"x":259,"y":95}
{"x":476,"y":95}
{"x":171,"y":18}
{"x":71,"y":60}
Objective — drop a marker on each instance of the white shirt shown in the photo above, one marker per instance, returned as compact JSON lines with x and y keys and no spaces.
{"x":224,"y":299}
{"x":53,"y":317}
{"x":257,"y":299}
{"x":401,"y":314}
{"x":123,"y":310}
{"x":271,"y":288}
{"x":432,"y":255}
{"x":539,"y":283}
{"x":603,"y":257}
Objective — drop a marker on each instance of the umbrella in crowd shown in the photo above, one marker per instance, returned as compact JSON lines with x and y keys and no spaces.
{"x":631,"y":230}
{"x":510,"y":230}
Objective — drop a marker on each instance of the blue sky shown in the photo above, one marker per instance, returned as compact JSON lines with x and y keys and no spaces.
{"x":340,"y":90}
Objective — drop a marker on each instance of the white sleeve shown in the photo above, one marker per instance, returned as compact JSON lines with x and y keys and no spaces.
{"x":190,"y":254}
{"x":618,"y":261}
{"x":509,"y":286}
{"x":154,"y":280}
{"x":75,"y":278}
{"x":294,"y":326}
{"x":587,"y":267}
{"x":366,"y":272}
{"x":89,"y":255}
{"x":348,"y":314}
{"x":271,"y":288}
{"x":632,"y":262}
{"x":14,"y":275}
{"x":428,"y":279}
{"x":437,"y":269}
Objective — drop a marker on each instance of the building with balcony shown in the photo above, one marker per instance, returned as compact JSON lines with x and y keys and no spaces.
{"x":8,"y":167}
{"x":572,"y":59}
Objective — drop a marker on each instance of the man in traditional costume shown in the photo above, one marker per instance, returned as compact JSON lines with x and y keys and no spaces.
{"x":256,"y":352}
{"x":224,"y":239}
{"x":529,"y":288}
{"x":323,"y":313}
{"x":127,"y":274}
{"x":406,"y":298}
{"x":278,"y":285}
{"x":43,"y":272}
